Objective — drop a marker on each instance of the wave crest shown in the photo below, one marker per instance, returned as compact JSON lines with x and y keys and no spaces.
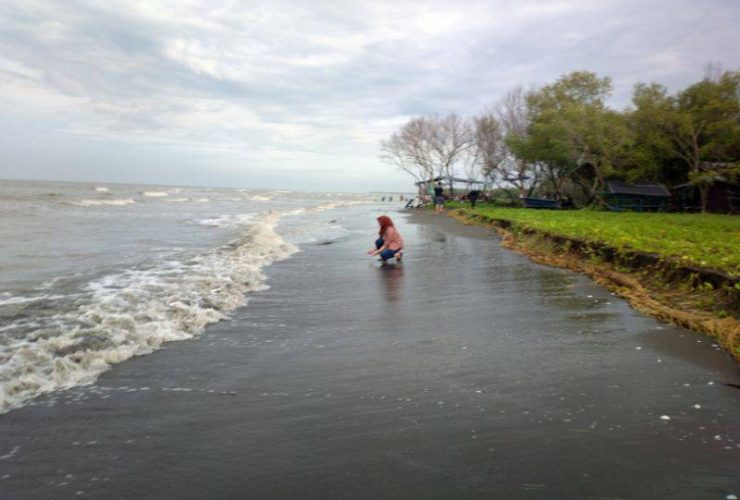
{"x":134,"y":312}
{"x":96,"y":203}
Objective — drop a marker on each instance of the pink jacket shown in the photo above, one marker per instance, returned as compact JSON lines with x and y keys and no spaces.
{"x":392,"y":239}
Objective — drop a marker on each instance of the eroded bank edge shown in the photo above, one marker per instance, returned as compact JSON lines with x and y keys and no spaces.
{"x":650,"y":283}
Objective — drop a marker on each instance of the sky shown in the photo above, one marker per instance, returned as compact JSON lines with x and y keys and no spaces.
{"x":299,"y":94}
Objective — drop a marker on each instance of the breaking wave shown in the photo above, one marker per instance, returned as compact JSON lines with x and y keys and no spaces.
{"x":227,"y":220}
{"x":320,"y":208}
{"x":96,"y":203}
{"x":60,"y":345}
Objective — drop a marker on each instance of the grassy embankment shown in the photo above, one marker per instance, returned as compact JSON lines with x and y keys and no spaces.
{"x":682,"y":268}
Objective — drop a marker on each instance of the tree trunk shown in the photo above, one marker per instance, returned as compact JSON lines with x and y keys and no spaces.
{"x":597,"y":187}
{"x":695,"y":167}
{"x":703,"y":194}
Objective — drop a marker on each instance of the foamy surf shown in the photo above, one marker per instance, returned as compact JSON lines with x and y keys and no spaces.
{"x":155,"y":194}
{"x":227,"y":220}
{"x":96,"y":203}
{"x":133,"y":313}
{"x":320,"y":208}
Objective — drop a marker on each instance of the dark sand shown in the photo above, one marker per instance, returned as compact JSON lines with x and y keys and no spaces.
{"x":469,"y":372}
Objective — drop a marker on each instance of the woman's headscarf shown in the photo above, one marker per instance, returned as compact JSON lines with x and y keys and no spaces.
{"x":385,"y":222}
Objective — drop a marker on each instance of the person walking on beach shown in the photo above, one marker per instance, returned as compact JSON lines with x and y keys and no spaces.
{"x":439,"y":198}
{"x":389,"y":243}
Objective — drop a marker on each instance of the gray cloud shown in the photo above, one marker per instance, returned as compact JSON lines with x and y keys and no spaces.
{"x":310,"y":87}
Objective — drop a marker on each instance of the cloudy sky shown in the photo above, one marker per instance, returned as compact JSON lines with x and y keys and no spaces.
{"x":298,"y":94}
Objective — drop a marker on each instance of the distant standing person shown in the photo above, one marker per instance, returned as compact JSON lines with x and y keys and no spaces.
{"x":473,"y":197}
{"x":389,"y":243}
{"x":439,"y":198}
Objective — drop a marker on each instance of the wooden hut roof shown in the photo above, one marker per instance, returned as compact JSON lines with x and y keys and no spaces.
{"x":448,"y":179}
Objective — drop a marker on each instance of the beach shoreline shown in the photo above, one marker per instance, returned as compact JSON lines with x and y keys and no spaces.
{"x":651,"y":284}
{"x":467,"y":371}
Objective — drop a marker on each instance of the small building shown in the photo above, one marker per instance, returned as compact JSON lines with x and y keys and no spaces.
{"x":449,"y":183}
{"x":723,"y":197}
{"x":723,"y":193}
{"x":641,"y":197}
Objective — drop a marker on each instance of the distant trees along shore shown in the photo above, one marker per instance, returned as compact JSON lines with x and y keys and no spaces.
{"x":563,"y":140}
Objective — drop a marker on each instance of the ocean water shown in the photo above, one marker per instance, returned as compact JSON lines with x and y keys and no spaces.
{"x":93,"y":274}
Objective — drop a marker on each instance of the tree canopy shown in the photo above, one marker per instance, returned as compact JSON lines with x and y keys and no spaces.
{"x":563,"y":139}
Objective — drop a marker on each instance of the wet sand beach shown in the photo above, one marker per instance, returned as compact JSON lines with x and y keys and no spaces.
{"x":465,"y":372}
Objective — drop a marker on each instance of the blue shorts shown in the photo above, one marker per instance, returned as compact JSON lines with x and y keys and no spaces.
{"x":387,"y":253}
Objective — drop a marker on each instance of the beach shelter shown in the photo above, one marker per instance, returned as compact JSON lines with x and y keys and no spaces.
{"x":449,"y":182}
{"x":722,"y":193}
{"x":723,"y":197}
{"x":640,"y":197}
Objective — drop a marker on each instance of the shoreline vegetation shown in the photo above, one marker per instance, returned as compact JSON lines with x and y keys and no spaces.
{"x":562,"y":141}
{"x":682,"y":269}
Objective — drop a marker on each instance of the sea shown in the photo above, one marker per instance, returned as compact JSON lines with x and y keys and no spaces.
{"x":94,"y":274}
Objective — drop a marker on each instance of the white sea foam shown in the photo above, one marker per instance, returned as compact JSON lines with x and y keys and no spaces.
{"x":155,"y":194}
{"x":96,"y":203}
{"x":227,"y":220}
{"x":133,"y":312}
{"x":201,"y":200}
{"x":259,"y":197}
{"x":101,"y":189}
{"x":8,"y":299}
{"x":176,"y":200}
{"x":320,"y":208}
{"x":294,"y":211}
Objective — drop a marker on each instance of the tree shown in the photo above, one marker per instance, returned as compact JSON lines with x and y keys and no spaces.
{"x":564,"y":134}
{"x":430,"y":146}
{"x":573,"y":133}
{"x":451,"y":144}
{"x":700,"y":125}
{"x":707,"y":128}
{"x":513,"y":115}
{"x":490,"y":148}
{"x":410,"y":149}
{"x":653,"y":117}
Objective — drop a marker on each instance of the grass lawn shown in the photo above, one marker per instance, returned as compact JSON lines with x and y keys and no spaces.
{"x":705,"y":240}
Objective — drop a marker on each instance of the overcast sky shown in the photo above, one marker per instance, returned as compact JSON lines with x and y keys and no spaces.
{"x":298,"y":94}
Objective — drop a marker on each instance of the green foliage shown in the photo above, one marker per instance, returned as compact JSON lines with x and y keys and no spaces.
{"x":699,"y":124}
{"x":662,"y":138}
{"x":703,"y":240}
{"x":710,"y":110}
{"x":564,"y":140}
{"x":652,"y":121}
{"x":573,"y":133}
